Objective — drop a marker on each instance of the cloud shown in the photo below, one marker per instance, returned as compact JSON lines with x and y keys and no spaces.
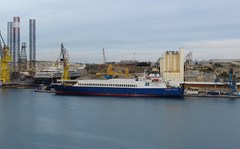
{"x":215,"y":49}
{"x":141,"y":26}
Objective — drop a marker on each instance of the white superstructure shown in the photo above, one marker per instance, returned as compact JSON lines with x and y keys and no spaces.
{"x":118,"y":83}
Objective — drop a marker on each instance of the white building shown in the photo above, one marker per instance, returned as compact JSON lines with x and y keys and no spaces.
{"x":172,"y":65}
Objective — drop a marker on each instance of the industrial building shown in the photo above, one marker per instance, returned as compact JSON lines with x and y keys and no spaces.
{"x":172,"y":65}
{"x":13,"y":41}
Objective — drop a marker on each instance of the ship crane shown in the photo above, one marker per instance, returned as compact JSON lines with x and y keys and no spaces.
{"x":4,"y":63}
{"x":65,"y":60}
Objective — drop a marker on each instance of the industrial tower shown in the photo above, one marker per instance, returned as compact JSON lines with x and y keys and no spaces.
{"x":23,"y":58}
{"x":32,"y":45}
{"x":16,"y":44}
{"x":13,"y":40}
{"x":10,"y":36}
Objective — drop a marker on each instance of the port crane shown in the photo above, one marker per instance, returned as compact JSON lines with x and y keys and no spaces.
{"x":4,"y":63}
{"x":232,"y":83}
{"x":104,"y":57}
{"x":65,"y":60}
{"x":113,"y":71}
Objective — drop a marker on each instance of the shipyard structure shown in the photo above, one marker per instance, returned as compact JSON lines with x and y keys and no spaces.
{"x":17,"y":69}
{"x":14,"y":64}
{"x":32,"y":45}
{"x":18,"y":51}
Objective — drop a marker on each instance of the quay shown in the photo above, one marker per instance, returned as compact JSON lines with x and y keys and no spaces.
{"x":205,"y":86}
{"x":213,"y":96}
{"x":211,"y":89}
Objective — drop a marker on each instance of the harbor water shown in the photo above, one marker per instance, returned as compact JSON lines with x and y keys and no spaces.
{"x":32,"y":120}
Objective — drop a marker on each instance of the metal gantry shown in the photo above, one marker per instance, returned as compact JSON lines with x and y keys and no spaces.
{"x":23,"y":58}
{"x":4,"y":63}
{"x":232,"y":83}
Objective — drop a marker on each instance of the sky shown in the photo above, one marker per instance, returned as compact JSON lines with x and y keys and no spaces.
{"x":128,"y":29}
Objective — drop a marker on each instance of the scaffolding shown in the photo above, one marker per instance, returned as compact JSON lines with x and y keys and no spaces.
{"x":4,"y":63}
{"x":23,"y":58}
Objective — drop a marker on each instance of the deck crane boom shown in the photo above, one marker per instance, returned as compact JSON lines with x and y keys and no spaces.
{"x":4,"y":63}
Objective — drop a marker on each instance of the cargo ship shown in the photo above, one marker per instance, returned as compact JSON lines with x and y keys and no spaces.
{"x":117,"y":87}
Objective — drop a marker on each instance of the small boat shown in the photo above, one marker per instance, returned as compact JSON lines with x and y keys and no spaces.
{"x":44,"y":89}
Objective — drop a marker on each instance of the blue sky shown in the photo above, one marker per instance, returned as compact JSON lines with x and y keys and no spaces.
{"x":210,"y":29}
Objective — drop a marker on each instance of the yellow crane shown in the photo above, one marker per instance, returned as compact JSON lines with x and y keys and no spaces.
{"x":64,"y":58}
{"x":113,"y":71}
{"x":4,"y":64}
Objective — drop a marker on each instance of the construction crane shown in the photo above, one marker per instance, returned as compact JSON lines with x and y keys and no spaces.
{"x":4,"y":63}
{"x":232,"y":83}
{"x":113,"y":71}
{"x":104,"y":57}
{"x":189,"y":58}
{"x":65,"y":60}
